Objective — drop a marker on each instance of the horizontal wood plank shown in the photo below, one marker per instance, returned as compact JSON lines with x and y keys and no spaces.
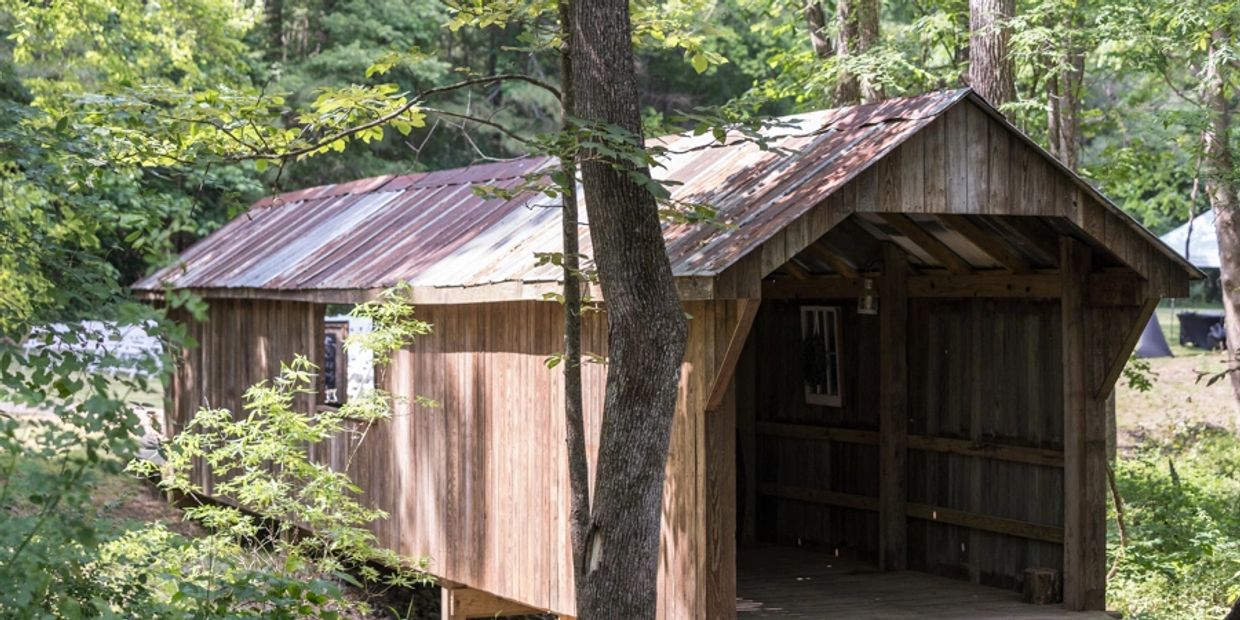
{"x":966,"y":447}
{"x":827,"y":433}
{"x":988,"y":523}
{"x":979,"y":285}
{"x":819,"y":496}
{"x":925,"y":512}
{"x":988,"y":450}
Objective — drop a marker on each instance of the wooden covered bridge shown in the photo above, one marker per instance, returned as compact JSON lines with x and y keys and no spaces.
{"x":900,"y":357}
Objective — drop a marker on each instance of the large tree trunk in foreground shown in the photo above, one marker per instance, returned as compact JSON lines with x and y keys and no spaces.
{"x":1222,"y":193}
{"x":858,"y":32}
{"x":990,"y":69}
{"x":647,"y":330}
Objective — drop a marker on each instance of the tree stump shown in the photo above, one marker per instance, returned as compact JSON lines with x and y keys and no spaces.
{"x":1041,"y":586}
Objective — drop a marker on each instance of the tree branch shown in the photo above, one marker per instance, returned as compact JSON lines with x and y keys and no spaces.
{"x":391,"y":116}
{"x":480,"y":121}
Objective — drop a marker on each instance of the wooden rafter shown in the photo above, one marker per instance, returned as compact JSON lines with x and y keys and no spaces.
{"x":796,"y":271}
{"x":836,"y":261}
{"x":1036,"y":235}
{"x":987,"y":242}
{"x":929,"y":243}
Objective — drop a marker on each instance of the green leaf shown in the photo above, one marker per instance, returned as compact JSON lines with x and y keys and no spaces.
{"x":699,"y":62}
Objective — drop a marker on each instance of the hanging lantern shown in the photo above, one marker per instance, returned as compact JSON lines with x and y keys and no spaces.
{"x":868,"y":304}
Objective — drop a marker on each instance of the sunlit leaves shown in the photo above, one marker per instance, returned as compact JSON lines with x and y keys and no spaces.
{"x":393,"y":323}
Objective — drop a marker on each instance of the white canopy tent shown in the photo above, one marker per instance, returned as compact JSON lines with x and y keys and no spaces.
{"x":1201,"y":248}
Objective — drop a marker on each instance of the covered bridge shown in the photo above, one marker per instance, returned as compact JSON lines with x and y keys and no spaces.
{"x":900,"y":356}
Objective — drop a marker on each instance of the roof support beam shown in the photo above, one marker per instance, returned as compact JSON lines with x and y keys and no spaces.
{"x":796,"y":270}
{"x":992,"y":285}
{"x":746,"y":311}
{"x":837,"y":262}
{"x":1037,"y":236}
{"x":986,"y":242}
{"x":929,"y":243}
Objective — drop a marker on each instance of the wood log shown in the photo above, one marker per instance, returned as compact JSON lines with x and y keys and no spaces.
{"x":1041,"y":586}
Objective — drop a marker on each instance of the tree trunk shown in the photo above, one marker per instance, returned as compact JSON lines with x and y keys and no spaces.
{"x":858,"y":32}
{"x":1063,"y":102}
{"x":273,"y":16}
{"x":1222,"y":193}
{"x":990,"y":68}
{"x":574,"y":412}
{"x":647,"y":330}
{"x":816,"y":21}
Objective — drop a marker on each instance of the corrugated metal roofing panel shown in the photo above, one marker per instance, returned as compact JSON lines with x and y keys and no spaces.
{"x":431,"y":228}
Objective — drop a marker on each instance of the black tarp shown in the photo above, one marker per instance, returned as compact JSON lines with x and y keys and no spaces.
{"x":1202,"y":329}
{"x":1153,"y":343}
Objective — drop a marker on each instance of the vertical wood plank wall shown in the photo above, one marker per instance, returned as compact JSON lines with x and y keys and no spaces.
{"x":242,"y":342}
{"x":985,"y":371}
{"x":479,"y":484}
{"x":775,"y":355}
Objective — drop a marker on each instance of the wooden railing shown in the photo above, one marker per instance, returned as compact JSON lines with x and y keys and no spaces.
{"x":926,"y":512}
{"x":966,"y":447}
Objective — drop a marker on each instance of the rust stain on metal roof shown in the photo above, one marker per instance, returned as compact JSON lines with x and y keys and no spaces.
{"x":431,"y":229}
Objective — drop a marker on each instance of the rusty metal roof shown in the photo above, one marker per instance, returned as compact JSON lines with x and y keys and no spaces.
{"x":431,"y":230}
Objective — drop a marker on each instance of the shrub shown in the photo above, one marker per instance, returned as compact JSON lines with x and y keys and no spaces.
{"x":1181,"y":501}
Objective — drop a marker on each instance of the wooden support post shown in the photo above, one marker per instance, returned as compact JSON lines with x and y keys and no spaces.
{"x":717,"y":559}
{"x":893,"y":409}
{"x":1084,"y":549}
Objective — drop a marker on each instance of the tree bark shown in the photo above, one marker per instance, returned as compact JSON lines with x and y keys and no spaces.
{"x":1222,"y":192}
{"x":858,"y":32}
{"x":1063,"y":87}
{"x":647,"y":330}
{"x":990,"y":68}
{"x":574,"y":412}
{"x":273,"y":17}
{"x":816,"y":21}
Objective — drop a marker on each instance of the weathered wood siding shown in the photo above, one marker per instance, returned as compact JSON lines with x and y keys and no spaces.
{"x":479,"y":484}
{"x":242,"y":342}
{"x":786,"y":463}
{"x":985,"y":371}
{"x":965,"y":163}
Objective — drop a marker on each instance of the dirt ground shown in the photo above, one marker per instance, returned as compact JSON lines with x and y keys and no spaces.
{"x":1177,"y":398}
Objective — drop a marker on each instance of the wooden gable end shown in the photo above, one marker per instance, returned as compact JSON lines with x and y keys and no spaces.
{"x":970,"y":163}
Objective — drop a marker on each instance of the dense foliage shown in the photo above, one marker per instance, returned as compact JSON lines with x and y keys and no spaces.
{"x":1182,"y":525}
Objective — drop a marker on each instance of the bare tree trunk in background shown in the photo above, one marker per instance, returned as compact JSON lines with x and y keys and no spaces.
{"x":858,"y":32}
{"x":1063,"y":97}
{"x":816,"y":21}
{"x":990,"y":68}
{"x":647,"y":330}
{"x":273,"y":17}
{"x":574,"y":412}
{"x":1222,"y":193}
